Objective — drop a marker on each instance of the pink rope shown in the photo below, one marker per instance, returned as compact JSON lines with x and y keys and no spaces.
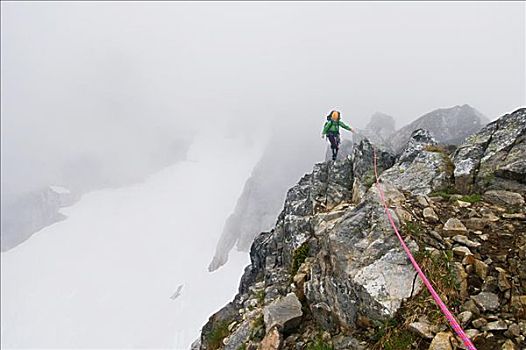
{"x":451,"y":319}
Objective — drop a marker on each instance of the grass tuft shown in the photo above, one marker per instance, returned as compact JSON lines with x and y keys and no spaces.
{"x":260,"y":296}
{"x":319,"y":344}
{"x":257,"y":330}
{"x":299,"y":257}
{"x":216,"y":335}
{"x":393,"y":334}
{"x":435,"y":149}
{"x":445,"y":193}
{"x":472,"y":198}
{"x":414,"y":228}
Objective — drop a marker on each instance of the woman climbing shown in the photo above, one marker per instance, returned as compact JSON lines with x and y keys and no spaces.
{"x":332,"y":130}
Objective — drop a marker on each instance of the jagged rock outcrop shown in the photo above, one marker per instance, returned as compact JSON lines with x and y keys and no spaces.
{"x":360,"y":268}
{"x":447,"y":125}
{"x":422,"y":167}
{"x":356,"y":266}
{"x":332,"y":272}
{"x":363,"y":167}
{"x":263,"y":194}
{"x":494,"y":157}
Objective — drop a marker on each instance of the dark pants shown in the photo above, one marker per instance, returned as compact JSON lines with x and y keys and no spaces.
{"x":334,"y":139}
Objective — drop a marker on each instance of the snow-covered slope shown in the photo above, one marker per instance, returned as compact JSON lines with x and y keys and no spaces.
{"x":103,"y":277}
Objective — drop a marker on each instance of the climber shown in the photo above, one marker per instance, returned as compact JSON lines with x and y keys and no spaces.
{"x":332,"y":130}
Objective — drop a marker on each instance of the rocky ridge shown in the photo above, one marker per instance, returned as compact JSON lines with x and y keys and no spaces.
{"x":332,"y":275}
{"x":264,"y":191}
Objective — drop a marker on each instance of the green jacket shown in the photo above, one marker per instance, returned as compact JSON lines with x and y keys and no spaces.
{"x":334,"y":127}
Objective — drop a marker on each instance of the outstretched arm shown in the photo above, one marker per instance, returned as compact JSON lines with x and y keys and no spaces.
{"x":345,"y":126}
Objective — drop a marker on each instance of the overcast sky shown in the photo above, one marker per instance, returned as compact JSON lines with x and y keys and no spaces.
{"x":102,"y":77}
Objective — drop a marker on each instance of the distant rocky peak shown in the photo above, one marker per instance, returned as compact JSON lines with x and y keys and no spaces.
{"x":379,"y":130}
{"x":381,"y":121}
{"x":447,"y":125}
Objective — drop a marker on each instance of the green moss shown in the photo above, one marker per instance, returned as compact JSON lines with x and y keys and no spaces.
{"x":257,"y":330}
{"x":242,"y":347}
{"x":440,"y":269}
{"x":414,"y":228}
{"x":488,"y":179}
{"x":319,"y":344}
{"x":260,"y":296}
{"x":299,"y":257}
{"x":392,"y":335}
{"x":399,"y":340}
{"x":445,"y":193}
{"x":219,"y":332}
{"x":259,"y":322}
{"x":381,"y":329}
{"x":368,"y":181}
{"x":472,"y":198}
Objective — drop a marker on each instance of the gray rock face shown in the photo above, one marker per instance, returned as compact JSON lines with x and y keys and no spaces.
{"x":284,"y":312}
{"x":487,"y":301}
{"x":238,"y":337}
{"x":420,"y":168}
{"x":504,"y":198}
{"x":356,"y":264}
{"x":222,"y":317}
{"x":242,"y":332}
{"x":271,"y":254}
{"x":495,"y":157}
{"x":332,"y":251}
{"x":361,"y":267}
{"x":363,"y":167}
{"x":363,"y":161}
{"x":447,"y":125}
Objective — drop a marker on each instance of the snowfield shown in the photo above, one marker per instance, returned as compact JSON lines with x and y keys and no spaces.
{"x":103,"y":278}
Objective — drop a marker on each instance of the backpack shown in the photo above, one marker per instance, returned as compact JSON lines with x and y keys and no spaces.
{"x":329,"y":120}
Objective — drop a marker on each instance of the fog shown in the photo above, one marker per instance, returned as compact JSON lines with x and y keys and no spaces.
{"x":115,"y":84}
{"x":103,"y":277}
{"x":158,"y":112}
